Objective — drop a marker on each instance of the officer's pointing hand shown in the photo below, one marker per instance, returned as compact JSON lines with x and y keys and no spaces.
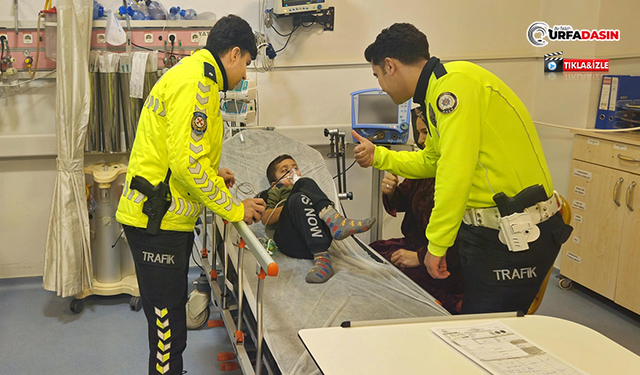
{"x":363,"y":153}
{"x":253,"y":210}
{"x":436,"y":266}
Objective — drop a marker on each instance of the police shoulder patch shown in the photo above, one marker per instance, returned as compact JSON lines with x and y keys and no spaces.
{"x":447,"y":102}
{"x":199,"y":123}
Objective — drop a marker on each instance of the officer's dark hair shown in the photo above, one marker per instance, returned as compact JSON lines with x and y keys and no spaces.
{"x":230,"y":32}
{"x":401,"y":41}
{"x":273,"y":166}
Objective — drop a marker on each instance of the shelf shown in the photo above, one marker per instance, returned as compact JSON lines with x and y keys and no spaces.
{"x":159,"y":24}
{"x":9,"y":24}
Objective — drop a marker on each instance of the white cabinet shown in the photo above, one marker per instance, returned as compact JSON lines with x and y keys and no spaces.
{"x":603,"y":253}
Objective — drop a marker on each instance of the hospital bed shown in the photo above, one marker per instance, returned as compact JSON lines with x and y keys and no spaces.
{"x":264,"y":299}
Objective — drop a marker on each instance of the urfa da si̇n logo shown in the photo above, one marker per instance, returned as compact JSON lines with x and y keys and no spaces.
{"x":538,"y":33}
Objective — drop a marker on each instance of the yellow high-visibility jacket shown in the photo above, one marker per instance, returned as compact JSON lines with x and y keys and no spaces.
{"x":181,"y":128}
{"x":482,"y":142}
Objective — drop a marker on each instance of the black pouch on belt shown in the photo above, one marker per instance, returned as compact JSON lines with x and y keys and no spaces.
{"x":527,"y":198}
{"x":524,"y":199}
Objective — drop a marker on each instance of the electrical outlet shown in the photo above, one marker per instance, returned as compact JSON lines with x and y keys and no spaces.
{"x":101,"y":38}
{"x":195,"y":37}
{"x":204,"y":35}
{"x":148,"y":38}
{"x":175,"y":38}
{"x":6,"y":37}
{"x":27,"y":38}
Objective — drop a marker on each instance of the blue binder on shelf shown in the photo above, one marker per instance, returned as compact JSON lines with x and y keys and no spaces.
{"x":613,"y":89}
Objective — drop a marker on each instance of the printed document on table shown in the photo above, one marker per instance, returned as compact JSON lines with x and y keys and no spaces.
{"x":502,"y":351}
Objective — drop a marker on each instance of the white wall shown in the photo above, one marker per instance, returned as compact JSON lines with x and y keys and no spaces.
{"x":560,"y":101}
{"x":26,"y":186}
{"x":312,"y":82}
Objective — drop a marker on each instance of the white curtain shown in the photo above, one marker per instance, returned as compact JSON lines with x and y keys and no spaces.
{"x":67,"y":263}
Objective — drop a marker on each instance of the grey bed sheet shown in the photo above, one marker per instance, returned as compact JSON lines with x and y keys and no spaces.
{"x":361,"y":289}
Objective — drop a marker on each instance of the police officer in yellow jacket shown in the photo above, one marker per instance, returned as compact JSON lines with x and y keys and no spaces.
{"x":493,"y":187}
{"x":173,"y":175}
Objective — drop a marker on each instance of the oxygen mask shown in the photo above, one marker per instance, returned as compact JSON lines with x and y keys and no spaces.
{"x":293,"y":175}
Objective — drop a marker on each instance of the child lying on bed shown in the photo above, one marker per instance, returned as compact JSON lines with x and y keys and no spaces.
{"x":305,"y":219}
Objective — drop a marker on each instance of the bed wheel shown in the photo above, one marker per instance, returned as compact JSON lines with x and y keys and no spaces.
{"x":135,"y":304}
{"x":76,"y":306}
{"x":199,"y":320}
{"x":565,"y":283}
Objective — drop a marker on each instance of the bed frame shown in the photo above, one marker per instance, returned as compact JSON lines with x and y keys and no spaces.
{"x":225,"y":276}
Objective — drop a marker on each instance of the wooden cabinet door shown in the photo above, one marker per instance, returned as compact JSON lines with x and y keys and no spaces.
{"x":628,"y":281}
{"x":590,"y":257}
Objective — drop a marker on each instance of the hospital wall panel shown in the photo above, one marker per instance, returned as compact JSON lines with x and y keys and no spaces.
{"x":579,"y":14}
{"x":487,"y":30}
{"x":29,"y":110}
{"x":622,"y":15}
{"x":26,"y":188}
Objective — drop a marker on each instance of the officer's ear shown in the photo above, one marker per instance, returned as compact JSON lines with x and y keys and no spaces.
{"x":390,"y":66}
{"x":236,"y":53}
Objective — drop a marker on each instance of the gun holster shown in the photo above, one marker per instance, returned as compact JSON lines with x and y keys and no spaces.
{"x":517,"y":227}
{"x":157,"y":203}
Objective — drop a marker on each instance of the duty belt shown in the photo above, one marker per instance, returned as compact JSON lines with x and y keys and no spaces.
{"x":490,"y":217}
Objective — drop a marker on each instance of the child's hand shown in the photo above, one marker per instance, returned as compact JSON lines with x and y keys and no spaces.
{"x":227,"y":175}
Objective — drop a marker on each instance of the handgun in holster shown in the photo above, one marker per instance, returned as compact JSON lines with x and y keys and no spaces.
{"x":516,"y":227}
{"x":157,"y":203}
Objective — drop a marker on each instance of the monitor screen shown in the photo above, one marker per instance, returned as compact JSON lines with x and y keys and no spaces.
{"x":291,"y":3}
{"x":377,"y":109}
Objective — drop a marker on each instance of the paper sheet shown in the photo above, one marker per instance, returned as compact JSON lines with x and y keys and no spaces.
{"x":502,"y":351}
{"x":139,"y":68}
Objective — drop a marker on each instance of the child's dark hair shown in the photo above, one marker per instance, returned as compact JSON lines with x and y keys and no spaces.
{"x":273,"y":167}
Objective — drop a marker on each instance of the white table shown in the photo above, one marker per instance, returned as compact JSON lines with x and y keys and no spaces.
{"x":411,"y":348}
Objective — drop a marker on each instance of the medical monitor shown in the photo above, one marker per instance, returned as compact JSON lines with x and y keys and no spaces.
{"x":284,"y":7}
{"x":376,"y":117}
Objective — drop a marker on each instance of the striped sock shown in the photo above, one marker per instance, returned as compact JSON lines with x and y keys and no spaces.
{"x":342,"y":227}
{"x":322,"y":270}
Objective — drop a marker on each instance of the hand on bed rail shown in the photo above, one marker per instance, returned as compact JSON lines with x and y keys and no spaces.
{"x":227,"y":176}
{"x":363,"y":152}
{"x":253,"y":210}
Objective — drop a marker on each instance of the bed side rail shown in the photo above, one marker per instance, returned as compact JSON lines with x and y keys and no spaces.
{"x":262,"y":257}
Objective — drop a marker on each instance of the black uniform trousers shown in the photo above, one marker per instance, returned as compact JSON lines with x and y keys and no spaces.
{"x":300,"y":233}
{"x":499,"y":280}
{"x":162,"y":265}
